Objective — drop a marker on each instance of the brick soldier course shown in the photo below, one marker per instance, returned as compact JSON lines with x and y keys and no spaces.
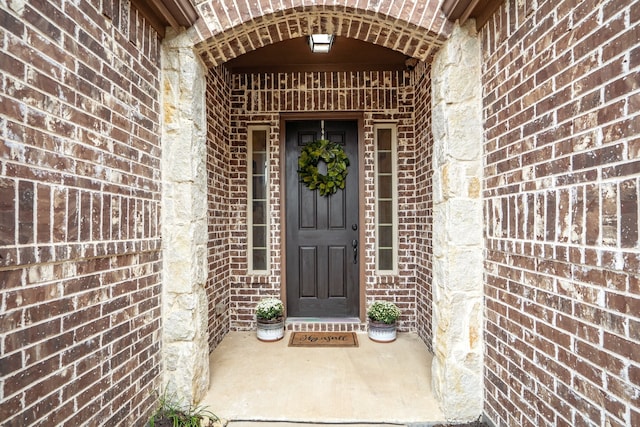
{"x":123,"y":199}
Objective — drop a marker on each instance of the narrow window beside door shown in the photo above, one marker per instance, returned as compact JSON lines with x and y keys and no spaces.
{"x":386,"y":197}
{"x":258,"y":199}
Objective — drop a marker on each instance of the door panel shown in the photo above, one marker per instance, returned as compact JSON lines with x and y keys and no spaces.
{"x":308,"y":272}
{"x":322,"y":271}
{"x":337,"y":212}
{"x":307,"y":208}
{"x":337,"y":271}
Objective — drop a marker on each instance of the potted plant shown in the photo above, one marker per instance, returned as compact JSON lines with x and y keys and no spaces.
{"x":383,"y":320}
{"x":270,"y":319}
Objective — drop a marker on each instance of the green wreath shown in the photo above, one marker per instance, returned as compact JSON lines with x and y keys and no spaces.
{"x":336,"y":159}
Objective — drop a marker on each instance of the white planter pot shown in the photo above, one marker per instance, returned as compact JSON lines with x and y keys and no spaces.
{"x":382,"y":332}
{"x":270,"y":330}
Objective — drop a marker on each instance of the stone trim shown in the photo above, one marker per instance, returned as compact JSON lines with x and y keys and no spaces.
{"x":184,"y":222}
{"x":457,"y":226}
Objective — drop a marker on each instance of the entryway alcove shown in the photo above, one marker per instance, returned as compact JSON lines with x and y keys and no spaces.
{"x":431,"y":106}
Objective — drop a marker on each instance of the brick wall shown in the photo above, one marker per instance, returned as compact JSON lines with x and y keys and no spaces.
{"x":423,"y":203}
{"x":79,"y":206}
{"x":218,"y":175}
{"x":260,"y":98}
{"x":561,"y":186}
{"x":246,"y":290}
{"x":401,"y":287}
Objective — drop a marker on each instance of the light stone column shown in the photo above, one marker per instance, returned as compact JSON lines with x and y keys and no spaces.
{"x":457,"y":226}
{"x":185,"y":349}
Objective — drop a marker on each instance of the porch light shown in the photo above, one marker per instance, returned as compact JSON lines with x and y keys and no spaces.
{"x":320,"y":43}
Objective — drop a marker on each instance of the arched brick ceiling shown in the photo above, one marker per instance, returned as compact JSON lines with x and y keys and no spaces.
{"x":295,"y":55}
{"x":229,"y":28}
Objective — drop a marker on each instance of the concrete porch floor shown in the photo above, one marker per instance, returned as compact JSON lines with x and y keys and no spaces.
{"x":258,"y":383}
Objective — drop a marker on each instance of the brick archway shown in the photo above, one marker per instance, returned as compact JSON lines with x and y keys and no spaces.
{"x":229,"y":28}
{"x":417,"y":29}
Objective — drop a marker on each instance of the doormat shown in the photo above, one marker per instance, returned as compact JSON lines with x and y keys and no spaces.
{"x":323,"y":339}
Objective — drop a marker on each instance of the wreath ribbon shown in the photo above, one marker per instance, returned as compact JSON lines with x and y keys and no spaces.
{"x":336,"y":159}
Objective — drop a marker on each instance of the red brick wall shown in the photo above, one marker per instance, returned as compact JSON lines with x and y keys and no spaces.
{"x":246,"y":290}
{"x":423,"y":203}
{"x":561,"y":90}
{"x":260,"y":98}
{"x":400,"y":287}
{"x":218,"y":175}
{"x":79,"y":207}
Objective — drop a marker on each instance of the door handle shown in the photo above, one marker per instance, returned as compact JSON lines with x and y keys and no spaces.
{"x":354,"y":244}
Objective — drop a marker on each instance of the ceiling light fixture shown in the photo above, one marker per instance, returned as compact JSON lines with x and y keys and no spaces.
{"x":320,"y":43}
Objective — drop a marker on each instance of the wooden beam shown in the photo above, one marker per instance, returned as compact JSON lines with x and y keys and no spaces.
{"x":164,"y":12}
{"x":468,"y":11}
{"x":185,"y":10}
{"x":453,"y":9}
{"x":167,"y":13}
{"x":487,"y":11}
{"x":463,"y":10}
{"x":156,"y":22}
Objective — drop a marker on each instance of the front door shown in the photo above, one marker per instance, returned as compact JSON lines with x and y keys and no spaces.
{"x":322,"y":231}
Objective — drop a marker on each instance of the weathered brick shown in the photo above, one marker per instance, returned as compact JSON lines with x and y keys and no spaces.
{"x":22,"y":379}
{"x":43,"y":229}
{"x":57,"y":109}
{"x":48,"y":385}
{"x":595,"y":130}
{"x":621,"y":346}
{"x":10,"y":407}
{"x":7,"y":212}
{"x":25,"y":198}
{"x":629,"y":225}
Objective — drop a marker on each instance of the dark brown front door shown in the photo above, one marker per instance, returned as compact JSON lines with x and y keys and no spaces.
{"x":322,"y":231}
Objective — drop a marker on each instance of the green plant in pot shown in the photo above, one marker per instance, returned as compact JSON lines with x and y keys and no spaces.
{"x":270,"y":319}
{"x":383,"y":320}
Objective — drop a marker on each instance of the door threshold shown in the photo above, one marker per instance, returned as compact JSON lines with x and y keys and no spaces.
{"x":321,"y":324}
{"x":323,"y":320}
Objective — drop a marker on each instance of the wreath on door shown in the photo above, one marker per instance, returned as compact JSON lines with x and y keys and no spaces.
{"x":336,"y":159}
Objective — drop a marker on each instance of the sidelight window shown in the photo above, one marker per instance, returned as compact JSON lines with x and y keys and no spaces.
{"x":258,"y":198}
{"x":386,"y":200}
